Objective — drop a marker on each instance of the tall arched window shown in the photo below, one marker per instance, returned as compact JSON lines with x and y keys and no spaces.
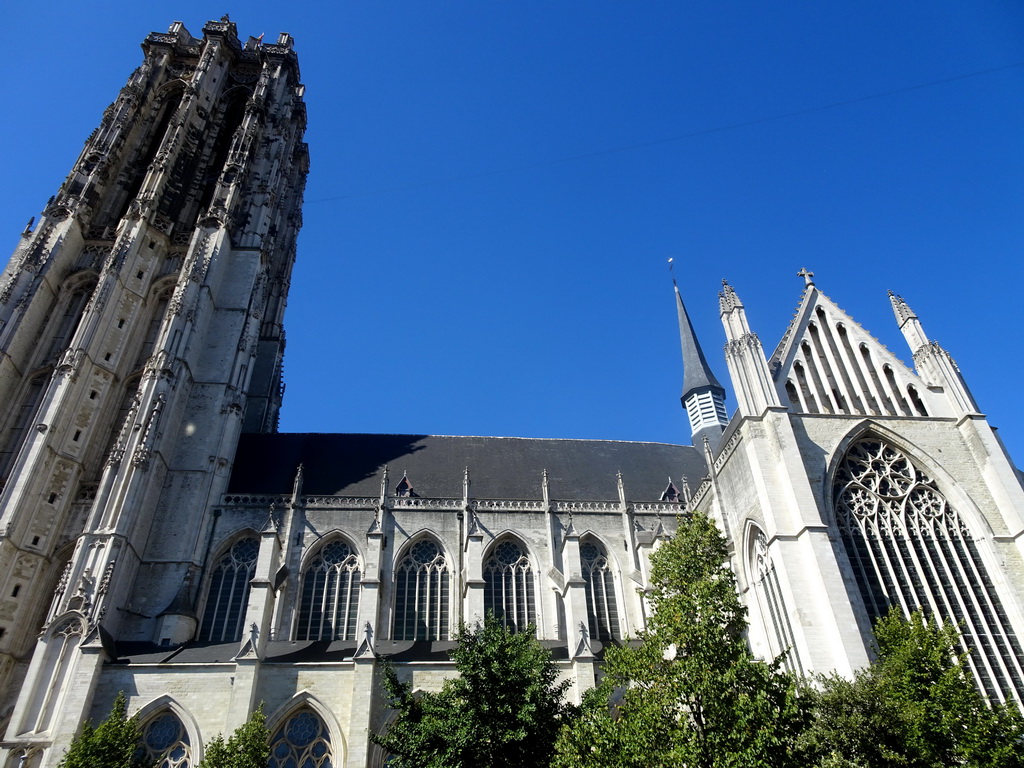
{"x":909,"y":547}
{"x":229,"y":592}
{"x":771,"y":602}
{"x":330,"y":594}
{"x":20,"y":422}
{"x":602,"y":613}
{"x":508,"y":586}
{"x":421,"y":599}
{"x":165,"y":742}
{"x":160,"y":300}
{"x":68,"y":322}
{"x":302,"y":742}
{"x":58,"y":658}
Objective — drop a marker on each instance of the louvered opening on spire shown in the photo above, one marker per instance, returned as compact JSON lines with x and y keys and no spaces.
{"x":703,"y":396}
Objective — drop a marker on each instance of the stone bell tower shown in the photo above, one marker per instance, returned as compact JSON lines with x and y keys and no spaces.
{"x":140,"y":334}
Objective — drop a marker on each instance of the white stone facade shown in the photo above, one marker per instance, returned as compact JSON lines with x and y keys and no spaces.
{"x":159,"y":537}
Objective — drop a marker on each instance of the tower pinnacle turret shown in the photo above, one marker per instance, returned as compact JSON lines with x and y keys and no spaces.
{"x":933,"y":363}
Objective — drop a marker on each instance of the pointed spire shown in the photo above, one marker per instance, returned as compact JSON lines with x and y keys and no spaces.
{"x":703,"y":396}
{"x":697,"y":373}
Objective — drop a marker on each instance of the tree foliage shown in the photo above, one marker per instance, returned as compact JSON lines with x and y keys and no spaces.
{"x":112,"y":744}
{"x":247,"y":747}
{"x":915,"y":706}
{"x":504,"y":709}
{"x":690,"y":693}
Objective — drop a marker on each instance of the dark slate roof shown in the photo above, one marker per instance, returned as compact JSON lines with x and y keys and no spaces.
{"x":319,"y":651}
{"x":697,"y":374}
{"x":499,"y":467}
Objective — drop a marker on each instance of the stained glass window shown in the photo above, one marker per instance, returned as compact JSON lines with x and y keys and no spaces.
{"x":229,"y":592}
{"x":602,"y":613}
{"x":302,"y":742}
{"x":165,"y":742}
{"x":330,"y":594}
{"x":509,"y":587}
{"x":909,"y":547}
{"x":421,"y":599}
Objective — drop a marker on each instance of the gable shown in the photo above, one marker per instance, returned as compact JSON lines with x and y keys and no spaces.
{"x":827,"y":363}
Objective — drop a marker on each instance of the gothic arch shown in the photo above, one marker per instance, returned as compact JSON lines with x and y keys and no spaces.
{"x":510,"y":582}
{"x":149,"y":128}
{"x":25,"y":757}
{"x":422,"y":586}
{"x":314,"y":549}
{"x":306,"y":739}
{"x":305,"y":699}
{"x":603,"y":579}
{"x":152,"y":711}
{"x":907,"y":546}
{"x":51,"y":666}
{"x":14,"y":432}
{"x":766,"y":593}
{"x":948,"y":485}
{"x":226,"y":591}
{"x":329,"y":581}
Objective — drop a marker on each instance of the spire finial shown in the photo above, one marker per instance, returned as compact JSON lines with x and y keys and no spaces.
{"x":900,"y":308}
{"x":807,"y":275}
{"x":727,"y":298}
{"x":671,"y":271}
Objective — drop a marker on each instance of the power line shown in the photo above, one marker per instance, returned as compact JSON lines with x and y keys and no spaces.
{"x":672,"y":139}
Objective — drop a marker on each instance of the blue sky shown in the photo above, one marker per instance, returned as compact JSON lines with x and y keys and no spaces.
{"x":496,"y":188}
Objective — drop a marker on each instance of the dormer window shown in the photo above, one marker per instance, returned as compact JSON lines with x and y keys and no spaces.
{"x":404,"y":488}
{"x":671,"y":493}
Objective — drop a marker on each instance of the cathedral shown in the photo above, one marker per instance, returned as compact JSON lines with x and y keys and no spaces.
{"x":160,"y":537}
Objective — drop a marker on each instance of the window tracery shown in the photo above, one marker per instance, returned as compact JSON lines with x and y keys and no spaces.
{"x":165,"y":742}
{"x":21,"y":421}
{"x":509,"y":587}
{"x":602,"y":611}
{"x":769,"y":594}
{"x":229,"y":592}
{"x":302,"y":742}
{"x":58,"y":658}
{"x":421,"y":600}
{"x":330,"y":594}
{"x":909,"y":547}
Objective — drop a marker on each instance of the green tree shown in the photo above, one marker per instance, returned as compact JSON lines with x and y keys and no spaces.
{"x":504,"y":709}
{"x":113,"y":744}
{"x":247,"y":747}
{"x":690,"y":693}
{"x":915,"y":706}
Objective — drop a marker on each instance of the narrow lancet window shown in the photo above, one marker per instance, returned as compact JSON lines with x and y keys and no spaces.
{"x":602,"y":611}
{"x":772,"y":604}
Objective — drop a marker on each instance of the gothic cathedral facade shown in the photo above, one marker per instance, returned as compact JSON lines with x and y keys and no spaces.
{"x":159,"y":536}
